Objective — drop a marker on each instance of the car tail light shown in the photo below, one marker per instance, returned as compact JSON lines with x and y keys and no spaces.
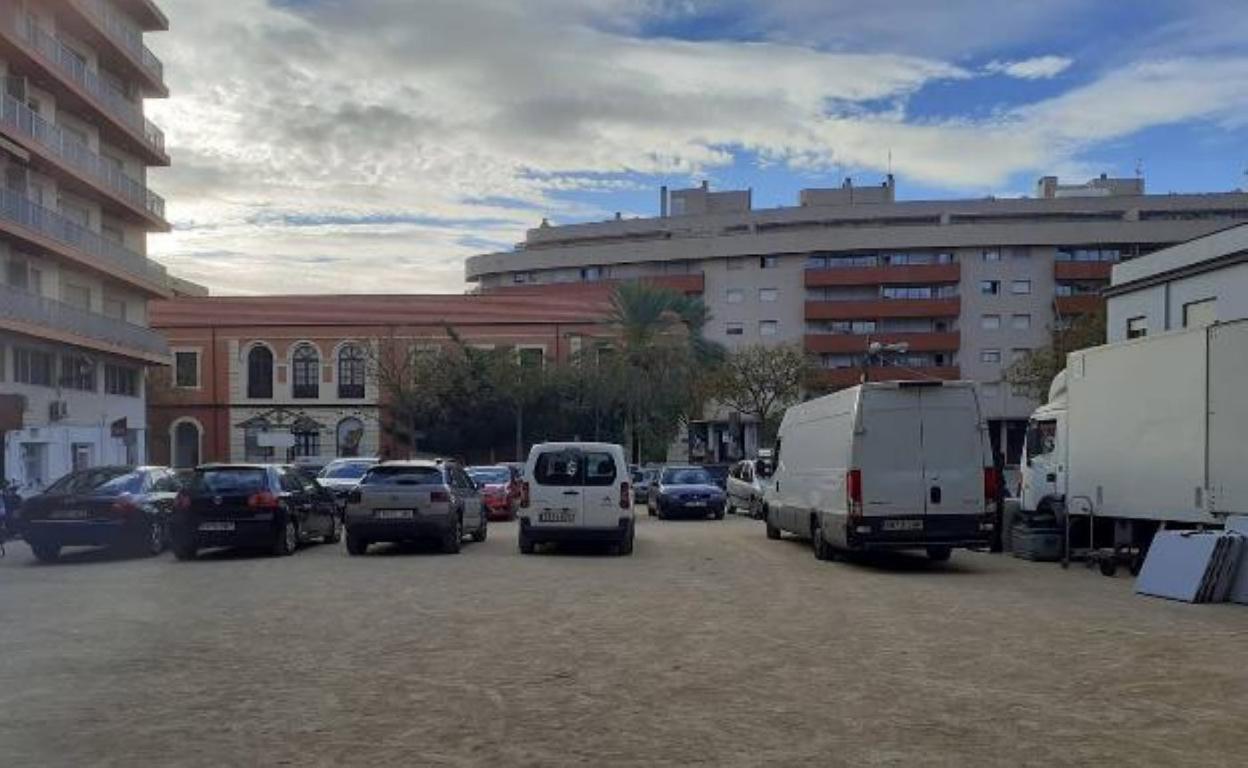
{"x":992,"y":485}
{"x":124,"y":506}
{"x":853,"y":492}
{"x":524,"y":494}
{"x":262,"y":500}
{"x":183,"y":501}
{"x":625,"y":501}
{"x":437,"y":496}
{"x":355,"y":496}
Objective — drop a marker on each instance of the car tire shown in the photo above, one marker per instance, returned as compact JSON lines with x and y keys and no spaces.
{"x":185,"y":550}
{"x":773,"y":532}
{"x":481,"y":532}
{"x":356,"y":545}
{"x":335,"y":532}
{"x":939,"y":554}
{"x":453,"y":536}
{"x":287,"y":540}
{"x":719,"y":515}
{"x":45,"y":551}
{"x":626,"y":546}
{"x":526,"y":544}
{"x":154,"y":539}
{"x":818,"y":544}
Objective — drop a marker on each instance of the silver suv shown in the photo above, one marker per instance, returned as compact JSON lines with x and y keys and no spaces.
{"x":411,"y":500}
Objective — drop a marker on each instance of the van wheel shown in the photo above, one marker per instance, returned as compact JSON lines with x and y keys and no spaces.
{"x":939,"y":554}
{"x":626,"y":546}
{"x":773,"y":532}
{"x":526,"y":545}
{"x":355,"y":544}
{"x":823,"y":551}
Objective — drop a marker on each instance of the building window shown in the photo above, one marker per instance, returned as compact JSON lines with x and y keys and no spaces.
{"x":767,"y":294}
{"x":735,"y":295}
{"x":186,"y":445}
{"x":17,"y":273}
{"x":186,"y":370}
{"x":31,"y":366}
{"x":306,"y":372}
{"x":351,"y":371}
{"x":350,"y":437}
{"x":1021,"y":322}
{"x":990,"y":356}
{"x":307,"y":444}
{"x":120,"y":380}
{"x":1198,"y":314}
{"x":990,"y":287}
{"x":816,"y":261}
{"x":77,"y":372}
{"x":76,"y":296}
{"x":80,"y":456}
{"x":591,"y":274}
{"x":990,"y":322}
{"x":768,"y":262}
{"x":113,"y":232}
{"x":1137,"y":327}
{"x":990,"y":254}
{"x":114,"y":308}
{"x":768,"y":327}
{"x":260,"y":373}
{"x":531,"y":358}
{"x":1020,"y":287}
{"x":522,"y":277}
{"x":735,"y":329}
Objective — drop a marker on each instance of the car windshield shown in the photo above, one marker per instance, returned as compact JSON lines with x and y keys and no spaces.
{"x":401,"y":475}
{"x":89,"y":480}
{"x":687,"y":476}
{"x":346,"y":470}
{"x":230,"y":480}
{"x":490,"y":475}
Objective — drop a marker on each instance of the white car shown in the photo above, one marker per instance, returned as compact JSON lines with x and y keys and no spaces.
{"x":576,"y":492}
{"x":745,"y":489}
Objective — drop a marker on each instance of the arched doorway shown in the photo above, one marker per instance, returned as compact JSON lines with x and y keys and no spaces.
{"x":186,"y":444}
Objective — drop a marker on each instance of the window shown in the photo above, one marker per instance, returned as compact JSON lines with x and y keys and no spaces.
{"x":351,"y":371}
{"x":990,"y":287}
{"x":768,"y":262}
{"x":1137,"y":327}
{"x":186,"y":370}
{"x":17,"y":273}
{"x":735,"y":295}
{"x":816,"y":261}
{"x":114,"y":308}
{"x":735,"y":329}
{"x":990,"y":356}
{"x":767,"y":294}
{"x":522,"y":277}
{"x":768,"y":327}
{"x":31,"y":366}
{"x":1198,"y":314}
{"x":990,"y":322}
{"x":120,"y":380}
{"x":531,"y":358}
{"x":75,"y":213}
{"x":260,"y":372}
{"x":113,"y":232}
{"x":350,"y":436}
{"x":559,"y":468}
{"x":76,"y":296}
{"x":1020,"y":287}
{"x":306,"y":373}
{"x":591,"y":274}
{"x":1021,"y":322}
{"x":77,"y":372}
{"x":990,"y":254}
{"x":307,"y":444}
{"x":80,"y":456}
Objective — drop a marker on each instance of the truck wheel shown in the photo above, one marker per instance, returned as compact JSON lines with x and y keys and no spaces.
{"x":823,"y":550}
{"x":773,"y":532}
{"x":453,"y":537}
{"x":939,"y":554}
{"x":45,"y":551}
{"x":356,"y":545}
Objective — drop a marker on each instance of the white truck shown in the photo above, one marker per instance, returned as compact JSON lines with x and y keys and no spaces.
{"x":1144,"y":432}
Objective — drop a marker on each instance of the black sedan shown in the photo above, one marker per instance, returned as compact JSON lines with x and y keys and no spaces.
{"x":686,"y":492}
{"x":124,"y":507}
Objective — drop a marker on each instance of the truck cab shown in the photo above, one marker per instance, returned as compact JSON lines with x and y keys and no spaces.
{"x":1043,"y":466}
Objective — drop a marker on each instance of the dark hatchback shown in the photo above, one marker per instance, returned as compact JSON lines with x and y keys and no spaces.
{"x":686,"y":492}
{"x":268,"y":506}
{"x":124,"y":507}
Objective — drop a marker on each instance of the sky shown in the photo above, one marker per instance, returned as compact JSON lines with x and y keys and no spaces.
{"x":355,"y":146}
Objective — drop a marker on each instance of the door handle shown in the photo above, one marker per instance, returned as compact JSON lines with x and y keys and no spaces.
{"x":571,"y":493}
{"x":934,"y":494}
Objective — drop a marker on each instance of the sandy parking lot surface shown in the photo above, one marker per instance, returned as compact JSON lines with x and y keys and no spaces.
{"x":710,"y":646}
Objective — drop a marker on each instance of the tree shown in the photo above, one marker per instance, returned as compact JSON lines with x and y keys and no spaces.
{"x":1035,"y":371}
{"x":758,"y":380}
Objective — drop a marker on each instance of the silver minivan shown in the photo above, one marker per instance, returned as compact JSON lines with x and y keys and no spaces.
{"x":576,"y":492}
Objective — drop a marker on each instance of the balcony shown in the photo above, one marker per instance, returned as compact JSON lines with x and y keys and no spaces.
{"x":43,"y":318}
{"x":692,"y":284}
{"x":839,"y":378}
{"x":873,"y":309}
{"x":126,"y":37}
{"x":40,"y":46}
{"x":848,"y":343}
{"x":898,"y":275}
{"x":1083,"y":270}
{"x":1079,"y":305}
{"x":51,"y":231}
{"x":43,"y":138}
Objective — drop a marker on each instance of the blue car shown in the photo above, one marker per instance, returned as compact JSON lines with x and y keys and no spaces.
{"x":686,"y":492}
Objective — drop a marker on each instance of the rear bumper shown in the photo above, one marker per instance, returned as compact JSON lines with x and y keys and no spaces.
{"x":679,"y":509}
{"x":87,"y":533}
{"x":426,"y":526}
{"x":541,"y":534}
{"x":246,"y":533}
{"x":938,"y":531}
{"x":500,"y":508}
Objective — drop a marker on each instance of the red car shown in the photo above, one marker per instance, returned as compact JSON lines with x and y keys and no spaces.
{"x":500,"y":490}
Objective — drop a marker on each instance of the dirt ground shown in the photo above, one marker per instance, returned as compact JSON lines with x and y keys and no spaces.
{"x":710,"y":646}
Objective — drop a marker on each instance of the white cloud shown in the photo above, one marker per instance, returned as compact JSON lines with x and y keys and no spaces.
{"x":1038,"y":68}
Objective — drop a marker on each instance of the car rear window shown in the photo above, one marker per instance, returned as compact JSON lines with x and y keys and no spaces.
{"x":403,"y":476}
{"x":88,"y":480}
{"x":599,"y":468}
{"x":231,"y":480}
{"x":687,"y":477}
{"x":347,"y":470}
{"x":127,"y":483}
{"x":558,"y":468}
{"x":491,"y":475}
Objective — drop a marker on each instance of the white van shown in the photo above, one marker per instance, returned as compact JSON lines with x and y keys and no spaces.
{"x":890,"y":465}
{"x":576,"y":492}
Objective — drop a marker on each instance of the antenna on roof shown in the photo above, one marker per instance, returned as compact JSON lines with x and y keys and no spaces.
{"x":1139,"y":167}
{"x":890,"y":161}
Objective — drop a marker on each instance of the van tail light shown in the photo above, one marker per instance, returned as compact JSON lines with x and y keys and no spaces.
{"x":262,"y":500}
{"x":853,"y":492}
{"x":625,"y":501}
{"x":524,"y":494}
{"x":183,"y":501}
{"x":992,"y":485}
{"x":439,"y":496}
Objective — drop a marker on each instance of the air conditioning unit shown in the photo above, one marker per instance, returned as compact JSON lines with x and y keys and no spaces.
{"x":58,"y":410}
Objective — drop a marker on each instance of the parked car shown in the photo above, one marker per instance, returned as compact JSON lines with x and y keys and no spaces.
{"x":271,"y":506}
{"x":412,"y":500}
{"x":890,"y":465}
{"x":341,"y":476}
{"x":745,"y":489}
{"x":125,"y":507}
{"x":577,"y":492}
{"x":687,"y":492}
{"x":719,"y":474}
{"x":643,"y":479}
{"x":500,"y":487}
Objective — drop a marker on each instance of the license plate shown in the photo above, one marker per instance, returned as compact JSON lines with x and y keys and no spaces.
{"x":69,"y":514}
{"x":393,"y":514}
{"x":903,"y":525}
{"x":556,"y":517}
{"x":216,"y":526}
{"x":695,"y":504}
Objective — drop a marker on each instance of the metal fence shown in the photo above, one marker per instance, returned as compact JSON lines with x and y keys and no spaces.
{"x":56,"y":316}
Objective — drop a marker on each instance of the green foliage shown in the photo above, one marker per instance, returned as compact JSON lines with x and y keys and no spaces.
{"x":760,"y":380}
{"x":1034,"y":373}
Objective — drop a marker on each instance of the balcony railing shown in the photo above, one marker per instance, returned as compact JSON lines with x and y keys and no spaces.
{"x":73,"y":152}
{"x":19,"y":210}
{"x":55,"y":316}
{"x":126,"y":33}
{"x":67,"y":62}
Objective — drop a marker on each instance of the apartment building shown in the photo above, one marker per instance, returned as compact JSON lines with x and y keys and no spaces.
{"x":75,"y":211}
{"x":967,"y":285}
{"x":291,"y":378}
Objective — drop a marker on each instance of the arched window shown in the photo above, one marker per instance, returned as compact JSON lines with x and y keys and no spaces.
{"x":306,"y":374}
{"x":186,"y":445}
{"x":260,"y":373}
{"x":350,"y":435}
{"x":351,"y":371}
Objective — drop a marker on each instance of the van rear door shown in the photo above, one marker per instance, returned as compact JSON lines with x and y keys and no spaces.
{"x":555,"y":492}
{"x":889,"y":452}
{"x":953,"y":451}
{"x":600,"y":491}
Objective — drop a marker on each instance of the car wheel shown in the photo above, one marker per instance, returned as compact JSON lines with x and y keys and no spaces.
{"x":939,"y":554}
{"x":154,"y":537}
{"x":287,"y":539}
{"x":526,"y":545}
{"x":773,"y":532}
{"x":453,"y":536}
{"x":822,"y":550}
{"x":335,"y":532}
{"x":626,"y":546}
{"x":355,"y":544}
{"x":480,"y":534}
{"x":45,"y":551}
{"x":719,"y":514}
